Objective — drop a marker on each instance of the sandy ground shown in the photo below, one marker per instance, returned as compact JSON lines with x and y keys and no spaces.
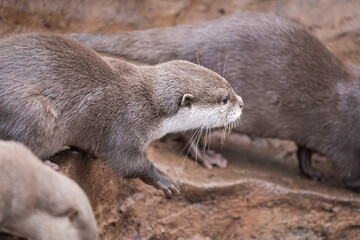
{"x":261,"y":194}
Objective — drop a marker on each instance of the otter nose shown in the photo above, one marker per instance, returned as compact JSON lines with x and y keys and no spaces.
{"x":240,"y":101}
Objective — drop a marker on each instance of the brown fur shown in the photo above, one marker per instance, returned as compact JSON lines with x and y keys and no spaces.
{"x":294,"y":87}
{"x":36,"y":202}
{"x":56,"y":91}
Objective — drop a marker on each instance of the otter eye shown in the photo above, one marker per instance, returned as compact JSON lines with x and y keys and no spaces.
{"x":225,"y":100}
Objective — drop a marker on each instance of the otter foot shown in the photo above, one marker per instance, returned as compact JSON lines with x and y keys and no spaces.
{"x":304,"y":157}
{"x":210,"y":158}
{"x":51,"y":164}
{"x":353,"y":184}
{"x":160,"y":180}
{"x":168,"y":186}
{"x":314,"y":174}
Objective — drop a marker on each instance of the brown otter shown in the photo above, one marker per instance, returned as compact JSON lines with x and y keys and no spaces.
{"x":295,"y":88}
{"x":36,"y":202}
{"x":56,"y":91}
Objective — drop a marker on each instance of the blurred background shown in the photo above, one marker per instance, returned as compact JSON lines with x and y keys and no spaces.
{"x":261,"y":195}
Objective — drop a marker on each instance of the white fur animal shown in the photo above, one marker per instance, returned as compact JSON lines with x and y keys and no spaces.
{"x":39,"y":203}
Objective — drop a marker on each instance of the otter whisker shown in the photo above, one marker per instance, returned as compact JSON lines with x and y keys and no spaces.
{"x":197,"y":57}
{"x":209,"y":141}
{"x":225,"y":63}
{"x":219,"y":60}
{"x":197,"y":142}
{"x":193,"y":144}
{"x":227,"y":76}
{"x":238,"y":122}
{"x":223,"y":136}
{"x":189,"y":142}
{"x":205,"y":140}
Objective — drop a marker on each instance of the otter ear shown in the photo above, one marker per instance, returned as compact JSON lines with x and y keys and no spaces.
{"x":186,"y":100}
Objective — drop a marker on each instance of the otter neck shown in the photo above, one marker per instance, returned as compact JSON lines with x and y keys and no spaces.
{"x":153,"y":104}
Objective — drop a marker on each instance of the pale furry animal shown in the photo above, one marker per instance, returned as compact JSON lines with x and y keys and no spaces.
{"x":39,"y":203}
{"x":293,"y":86}
{"x":57,"y":92}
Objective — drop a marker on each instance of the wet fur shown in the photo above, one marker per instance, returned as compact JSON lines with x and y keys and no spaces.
{"x":36,"y":202}
{"x":293,"y":86}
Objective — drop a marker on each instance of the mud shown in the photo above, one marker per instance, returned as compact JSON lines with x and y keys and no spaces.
{"x":261,"y":194}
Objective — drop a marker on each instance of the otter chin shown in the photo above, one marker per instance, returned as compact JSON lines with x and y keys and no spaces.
{"x":58,"y":92}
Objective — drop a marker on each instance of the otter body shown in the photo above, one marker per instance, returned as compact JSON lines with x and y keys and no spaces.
{"x":293,"y":86}
{"x":57,"y":92}
{"x":36,"y":202}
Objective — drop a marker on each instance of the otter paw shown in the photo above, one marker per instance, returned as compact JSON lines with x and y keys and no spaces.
{"x":210,"y":159}
{"x":168,"y":186}
{"x":353,"y":184}
{"x":315,"y":175}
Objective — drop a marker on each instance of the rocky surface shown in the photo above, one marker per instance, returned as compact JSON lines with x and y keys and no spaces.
{"x":260,"y":195}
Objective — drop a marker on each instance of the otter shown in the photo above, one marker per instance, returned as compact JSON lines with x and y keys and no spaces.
{"x":58,"y":92}
{"x":37,"y":202}
{"x":295,"y":88}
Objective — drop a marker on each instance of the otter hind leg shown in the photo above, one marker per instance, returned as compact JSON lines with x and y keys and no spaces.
{"x":304,"y":157}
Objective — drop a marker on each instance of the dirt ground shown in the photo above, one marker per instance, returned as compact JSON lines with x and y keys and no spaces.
{"x":261,"y":194}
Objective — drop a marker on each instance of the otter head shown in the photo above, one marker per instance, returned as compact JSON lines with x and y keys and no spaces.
{"x":195,"y":97}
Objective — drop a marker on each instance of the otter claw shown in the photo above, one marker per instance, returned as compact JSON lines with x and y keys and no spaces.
{"x":161,"y":181}
{"x":170,"y":191}
{"x":169,"y":187}
{"x":175,"y":190}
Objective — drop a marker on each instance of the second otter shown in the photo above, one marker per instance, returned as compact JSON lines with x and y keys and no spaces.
{"x":294,"y":87}
{"x":56,"y":91}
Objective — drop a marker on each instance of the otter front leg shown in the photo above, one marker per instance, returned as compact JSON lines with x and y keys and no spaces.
{"x":154,"y":177}
{"x":304,"y":157}
{"x":208,"y":158}
{"x":138,"y":166}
